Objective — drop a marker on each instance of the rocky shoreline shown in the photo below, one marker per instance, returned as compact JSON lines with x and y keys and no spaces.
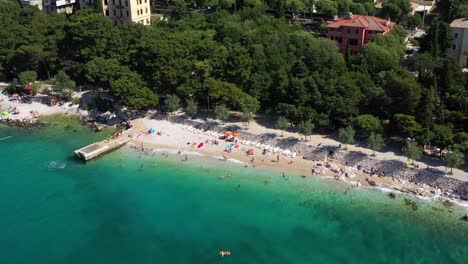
{"x":21,"y":122}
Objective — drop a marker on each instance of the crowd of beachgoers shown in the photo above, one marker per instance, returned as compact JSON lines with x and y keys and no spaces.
{"x":298,"y":157}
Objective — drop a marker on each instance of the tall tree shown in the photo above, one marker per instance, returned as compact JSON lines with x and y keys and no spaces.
{"x":366,"y":125}
{"x":221,"y":112}
{"x":427,"y":107}
{"x":443,"y":136}
{"x":27,"y":77}
{"x":63,"y":85}
{"x":346,"y":136}
{"x":131,"y":92}
{"x":306,"y":128}
{"x":453,"y":159}
{"x":192,"y":108}
{"x":172,"y":102}
{"x":375,"y":142}
{"x":413,"y":151}
{"x":282,"y":123}
{"x":437,"y":39}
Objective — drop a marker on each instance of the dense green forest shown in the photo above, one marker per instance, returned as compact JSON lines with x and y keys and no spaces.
{"x":251,"y":61}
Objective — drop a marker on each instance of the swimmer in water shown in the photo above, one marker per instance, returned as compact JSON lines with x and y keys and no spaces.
{"x":155,"y":164}
{"x":142,"y":166}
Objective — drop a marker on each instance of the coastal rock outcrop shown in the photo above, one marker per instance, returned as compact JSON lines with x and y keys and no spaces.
{"x":21,"y":122}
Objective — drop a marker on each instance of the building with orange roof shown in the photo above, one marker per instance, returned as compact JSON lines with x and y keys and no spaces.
{"x":357,"y":30}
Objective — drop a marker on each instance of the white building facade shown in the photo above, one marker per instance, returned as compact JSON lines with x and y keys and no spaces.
{"x":459,"y":49}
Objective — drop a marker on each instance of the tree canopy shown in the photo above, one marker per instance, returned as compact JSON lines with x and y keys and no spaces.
{"x":247,"y":56}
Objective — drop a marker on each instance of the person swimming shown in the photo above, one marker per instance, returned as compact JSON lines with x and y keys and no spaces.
{"x":224,"y":253}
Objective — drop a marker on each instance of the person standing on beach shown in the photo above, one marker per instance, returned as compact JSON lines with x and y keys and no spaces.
{"x":277,"y":158}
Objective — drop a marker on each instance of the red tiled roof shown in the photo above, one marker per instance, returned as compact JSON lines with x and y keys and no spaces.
{"x":359,"y":21}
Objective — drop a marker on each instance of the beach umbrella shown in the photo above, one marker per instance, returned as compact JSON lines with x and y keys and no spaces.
{"x":227,"y":133}
{"x":228,"y":146}
{"x":15,"y":95}
{"x":237,"y":134}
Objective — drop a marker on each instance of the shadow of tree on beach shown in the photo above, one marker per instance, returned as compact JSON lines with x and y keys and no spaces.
{"x":430,"y":176}
{"x":287,"y":143}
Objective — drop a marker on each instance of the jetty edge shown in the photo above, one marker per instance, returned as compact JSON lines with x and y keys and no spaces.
{"x":97,"y":149}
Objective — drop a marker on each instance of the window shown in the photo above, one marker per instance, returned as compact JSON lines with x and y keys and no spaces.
{"x":331,"y":29}
{"x":339,"y":39}
{"x":138,"y":12}
{"x":353,"y":42}
{"x":332,"y":37}
{"x":349,"y":31}
{"x":107,"y":12}
{"x":455,"y":36}
{"x":105,"y":2}
{"x":113,"y":2}
{"x":147,"y":21}
{"x":145,"y":3}
{"x":357,"y":31}
{"x":121,"y":14}
{"x":126,"y":3}
{"x":114,"y":13}
{"x":454,"y":47}
{"x":127,"y":13}
{"x":146,"y":10}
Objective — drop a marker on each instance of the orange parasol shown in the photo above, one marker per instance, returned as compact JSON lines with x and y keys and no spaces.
{"x":227,"y":133}
{"x":15,"y":95}
{"x":236,"y":134}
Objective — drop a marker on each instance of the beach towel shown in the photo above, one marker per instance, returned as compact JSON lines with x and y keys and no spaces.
{"x":200,"y":145}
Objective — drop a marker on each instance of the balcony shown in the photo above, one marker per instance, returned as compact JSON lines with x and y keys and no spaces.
{"x":64,"y":2}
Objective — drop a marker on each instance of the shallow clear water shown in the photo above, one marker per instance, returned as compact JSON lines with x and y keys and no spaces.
{"x":181,"y":212}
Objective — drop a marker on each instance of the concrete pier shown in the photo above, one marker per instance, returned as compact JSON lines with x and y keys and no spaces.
{"x":99,"y":148}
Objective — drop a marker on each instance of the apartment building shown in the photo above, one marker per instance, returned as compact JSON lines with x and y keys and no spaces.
{"x":127,"y":11}
{"x":459,"y":49}
{"x":356,"y":30}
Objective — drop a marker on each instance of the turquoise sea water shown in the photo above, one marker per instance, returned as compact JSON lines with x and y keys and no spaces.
{"x":181,"y":212}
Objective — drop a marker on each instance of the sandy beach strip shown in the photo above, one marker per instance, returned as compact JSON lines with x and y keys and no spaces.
{"x":177,"y":137}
